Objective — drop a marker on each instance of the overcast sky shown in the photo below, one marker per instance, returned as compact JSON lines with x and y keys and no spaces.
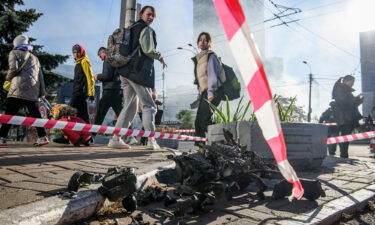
{"x":326,"y":36}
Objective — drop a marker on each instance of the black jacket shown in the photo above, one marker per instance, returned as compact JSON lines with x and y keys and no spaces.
{"x":109,"y":77}
{"x":140,"y":70}
{"x":79,"y":82}
{"x":327,"y":116}
{"x":346,"y":112}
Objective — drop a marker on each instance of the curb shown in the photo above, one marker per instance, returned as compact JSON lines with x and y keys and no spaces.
{"x":331,"y":212}
{"x":60,"y":210}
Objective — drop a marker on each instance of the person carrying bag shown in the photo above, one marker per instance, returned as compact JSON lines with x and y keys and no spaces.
{"x":7,"y":83}
{"x":26,"y":86}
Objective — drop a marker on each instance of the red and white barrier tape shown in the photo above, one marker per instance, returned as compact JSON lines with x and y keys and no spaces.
{"x":185,"y":131}
{"x":335,"y":124}
{"x":64,"y":125}
{"x":350,"y":137}
{"x":246,"y":54}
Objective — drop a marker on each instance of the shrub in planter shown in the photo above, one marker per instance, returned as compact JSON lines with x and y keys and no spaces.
{"x":306,"y":142}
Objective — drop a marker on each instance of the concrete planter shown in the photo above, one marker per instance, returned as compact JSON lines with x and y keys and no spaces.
{"x":306,"y":143}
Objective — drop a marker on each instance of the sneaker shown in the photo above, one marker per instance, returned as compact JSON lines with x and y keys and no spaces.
{"x":41,"y":141}
{"x":3,"y":141}
{"x":131,"y":140}
{"x":152,"y":144}
{"x":118,"y":144}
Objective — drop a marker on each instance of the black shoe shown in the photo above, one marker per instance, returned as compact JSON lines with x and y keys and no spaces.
{"x":60,"y":139}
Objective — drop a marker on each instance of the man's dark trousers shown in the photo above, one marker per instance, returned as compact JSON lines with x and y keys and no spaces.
{"x":110,"y":98}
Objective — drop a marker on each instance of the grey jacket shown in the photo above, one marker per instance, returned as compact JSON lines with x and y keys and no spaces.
{"x":27,"y":84}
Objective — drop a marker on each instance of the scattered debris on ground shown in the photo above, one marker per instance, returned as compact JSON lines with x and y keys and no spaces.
{"x":199,"y":180}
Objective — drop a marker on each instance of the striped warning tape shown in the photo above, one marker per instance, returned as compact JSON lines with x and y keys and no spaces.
{"x":64,"y":125}
{"x":185,"y":131}
{"x":350,"y":137}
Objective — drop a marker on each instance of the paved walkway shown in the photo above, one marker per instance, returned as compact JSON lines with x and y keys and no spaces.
{"x":30,"y":173}
{"x":348,"y":184}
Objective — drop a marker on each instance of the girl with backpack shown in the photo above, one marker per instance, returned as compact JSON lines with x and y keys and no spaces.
{"x":207,"y":69}
{"x":26,"y":86}
{"x":138,"y":79}
{"x":346,"y":111}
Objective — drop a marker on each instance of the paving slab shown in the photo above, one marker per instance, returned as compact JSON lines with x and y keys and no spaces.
{"x":44,"y":171}
{"x":348,"y":184}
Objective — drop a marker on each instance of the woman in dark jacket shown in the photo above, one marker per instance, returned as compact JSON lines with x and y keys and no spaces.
{"x":346,"y":113}
{"x":138,"y":79}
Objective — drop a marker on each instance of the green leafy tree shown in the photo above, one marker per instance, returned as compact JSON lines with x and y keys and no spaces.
{"x":287,"y":105}
{"x":15,"y":22}
{"x":186,"y":118}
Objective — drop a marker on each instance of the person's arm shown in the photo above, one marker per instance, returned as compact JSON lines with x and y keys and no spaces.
{"x":347,"y":100}
{"x":107,"y":74}
{"x":213,"y":71}
{"x":13,"y":66}
{"x":87,"y":69}
{"x":147,"y":43}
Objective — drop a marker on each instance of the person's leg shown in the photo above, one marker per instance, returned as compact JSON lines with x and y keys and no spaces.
{"x":103,"y":107}
{"x":117,"y":100}
{"x":12,"y":107}
{"x":79,"y":102}
{"x":148,"y":111}
{"x":199,"y":129}
{"x":130,"y":103}
{"x":332,"y":132}
{"x":34,"y":112}
{"x":158,"y":116}
{"x":204,"y":114}
{"x":148,"y":106}
{"x":345,"y":130}
{"x":127,"y":114}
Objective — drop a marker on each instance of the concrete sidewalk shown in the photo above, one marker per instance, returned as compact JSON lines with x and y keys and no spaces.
{"x":348,"y":183}
{"x":28,"y":173}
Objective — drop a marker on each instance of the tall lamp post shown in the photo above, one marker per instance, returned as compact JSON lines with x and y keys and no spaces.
{"x":310,"y":82}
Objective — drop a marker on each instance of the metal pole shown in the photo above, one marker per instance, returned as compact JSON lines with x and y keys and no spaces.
{"x":122,"y":13}
{"x":139,"y":7}
{"x":130,"y":12}
{"x":163,"y":77}
{"x":310,"y":81}
{"x":310,"y":110}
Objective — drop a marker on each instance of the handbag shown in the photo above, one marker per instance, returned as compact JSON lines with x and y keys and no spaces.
{"x":6,"y":85}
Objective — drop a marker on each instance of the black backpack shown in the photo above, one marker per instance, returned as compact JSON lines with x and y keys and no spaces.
{"x":231,"y":87}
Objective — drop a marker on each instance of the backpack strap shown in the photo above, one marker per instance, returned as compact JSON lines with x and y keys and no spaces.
{"x":222,"y":71}
{"x":24,"y":62}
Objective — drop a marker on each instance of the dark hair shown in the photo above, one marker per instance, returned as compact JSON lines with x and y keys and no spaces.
{"x":101,"y":49}
{"x":340,"y":81}
{"x":208,"y":38}
{"x":144,"y":9}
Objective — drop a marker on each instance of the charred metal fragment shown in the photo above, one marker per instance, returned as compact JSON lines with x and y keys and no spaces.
{"x":118,"y":183}
{"x":79,"y":179}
